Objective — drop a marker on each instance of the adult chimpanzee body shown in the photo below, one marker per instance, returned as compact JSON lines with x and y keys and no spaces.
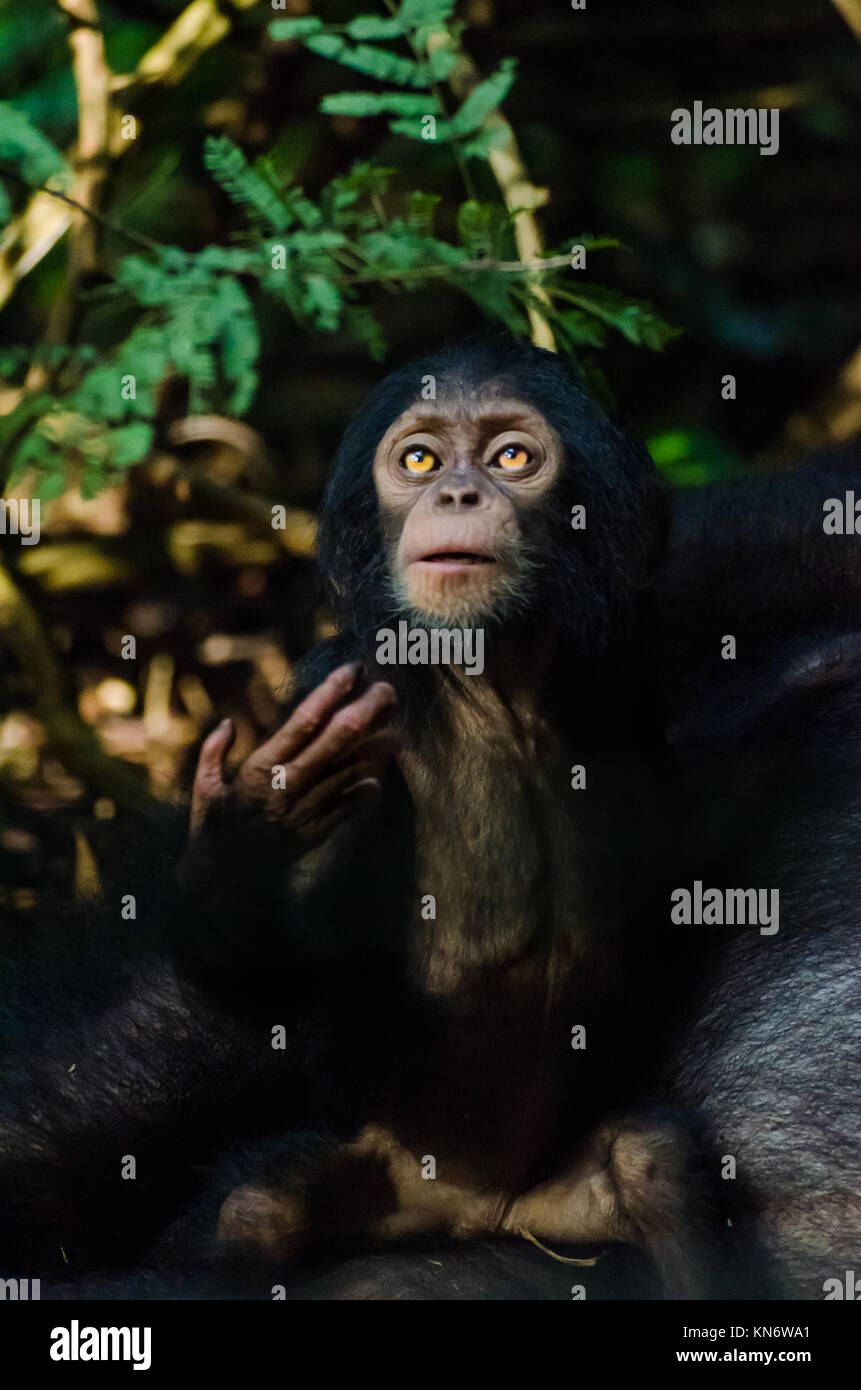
{"x":769,"y":741}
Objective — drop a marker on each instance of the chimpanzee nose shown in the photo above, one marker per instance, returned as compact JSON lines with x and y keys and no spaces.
{"x":458,"y":493}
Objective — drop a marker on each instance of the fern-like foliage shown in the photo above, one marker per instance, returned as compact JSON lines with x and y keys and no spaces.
{"x":196,"y":323}
{"x":413,"y":96}
{"x":24,"y":146}
{"x":318,"y":256}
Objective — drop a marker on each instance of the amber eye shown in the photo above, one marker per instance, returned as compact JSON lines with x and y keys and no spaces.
{"x":420,"y":460}
{"x":512,"y":458}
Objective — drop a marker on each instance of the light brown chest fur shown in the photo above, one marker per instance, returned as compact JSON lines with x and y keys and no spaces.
{"x":499,"y":854}
{"x":497,"y":933}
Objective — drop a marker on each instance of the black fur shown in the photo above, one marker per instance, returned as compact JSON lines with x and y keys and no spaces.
{"x":769,"y":750}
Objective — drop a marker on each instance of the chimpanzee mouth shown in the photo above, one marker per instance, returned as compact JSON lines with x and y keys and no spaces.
{"x":458,"y":557}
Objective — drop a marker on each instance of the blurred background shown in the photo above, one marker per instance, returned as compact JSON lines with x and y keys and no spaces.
{"x":157,"y":117}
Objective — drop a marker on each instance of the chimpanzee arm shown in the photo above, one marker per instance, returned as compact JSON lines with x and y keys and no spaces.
{"x":136,"y":1055}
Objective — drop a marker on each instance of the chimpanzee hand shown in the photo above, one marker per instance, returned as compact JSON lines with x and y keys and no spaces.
{"x":324,"y":764}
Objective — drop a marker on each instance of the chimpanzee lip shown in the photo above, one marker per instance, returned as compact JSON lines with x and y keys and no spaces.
{"x":469,"y":557}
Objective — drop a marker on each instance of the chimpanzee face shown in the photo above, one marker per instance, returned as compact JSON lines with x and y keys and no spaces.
{"x":509,"y":500}
{"x":460,"y":481}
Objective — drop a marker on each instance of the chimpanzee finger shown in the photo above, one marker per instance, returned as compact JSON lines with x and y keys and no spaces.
{"x":324,"y":796}
{"x":209,"y":774}
{"x":348,"y":728}
{"x":354,"y":799}
{"x":368,"y":760}
{"x":307,"y":718}
{"x":378,"y":748}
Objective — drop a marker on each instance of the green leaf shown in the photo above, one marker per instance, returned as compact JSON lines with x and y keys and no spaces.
{"x":457,"y":127}
{"x":575,"y":329}
{"x":239,"y":344}
{"x":360,"y":323}
{"x":12,"y":359}
{"x":413,"y":130}
{"x":307,"y":243}
{"x":440,"y":63}
{"x":589,"y":242}
{"x":238,"y":260}
{"x":100,"y":394}
{"x":281,"y":164}
{"x":284,"y":287}
{"x":294,"y":28}
{"x":378,"y":103}
{"x":365,"y":178}
{"x":486,"y":97}
{"x":244,"y":185}
{"x":373,"y":62}
{"x":480,"y":146}
{"x":420,"y":212}
{"x":689,"y":458}
{"x":16,"y":426}
{"x":369,"y":26}
{"x":91,"y":483}
{"x":477,"y":225}
{"x":130,"y":443}
{"x":497,"y":297}
{"x":342,"y":196}
{"x":635,"y":319}
{"x":50,"y":484}
{"x":302,"y":209}
{"x":429,"y":13}
{"x":397,"y":248}
{"x":323,"y":300}
{"x":23,"y":145}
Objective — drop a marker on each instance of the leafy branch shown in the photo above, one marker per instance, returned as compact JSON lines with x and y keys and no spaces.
{"x":478,"y":129}
{"x":196,"y":312}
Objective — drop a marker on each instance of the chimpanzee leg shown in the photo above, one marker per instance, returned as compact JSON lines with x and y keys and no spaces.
{"x":104,"y":1118}
{"x":633,"y":1182}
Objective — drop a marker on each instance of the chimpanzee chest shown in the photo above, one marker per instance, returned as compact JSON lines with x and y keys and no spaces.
{"x":499,"y":899}
{"x":497,"y":933}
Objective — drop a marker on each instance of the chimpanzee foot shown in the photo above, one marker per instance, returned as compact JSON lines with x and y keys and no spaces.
{"x":630,"y":1183}
{"x":369,"y":1190}
{"x":273,"y":1224}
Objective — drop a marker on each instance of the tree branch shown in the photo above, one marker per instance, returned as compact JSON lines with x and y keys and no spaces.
{"x":851,"y":12}
{"x":109,"y":224}
{"x":45,"y":220}
{"x":519,"y":193}
{"x":90,"y":165}
{"x":200,"y":26}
